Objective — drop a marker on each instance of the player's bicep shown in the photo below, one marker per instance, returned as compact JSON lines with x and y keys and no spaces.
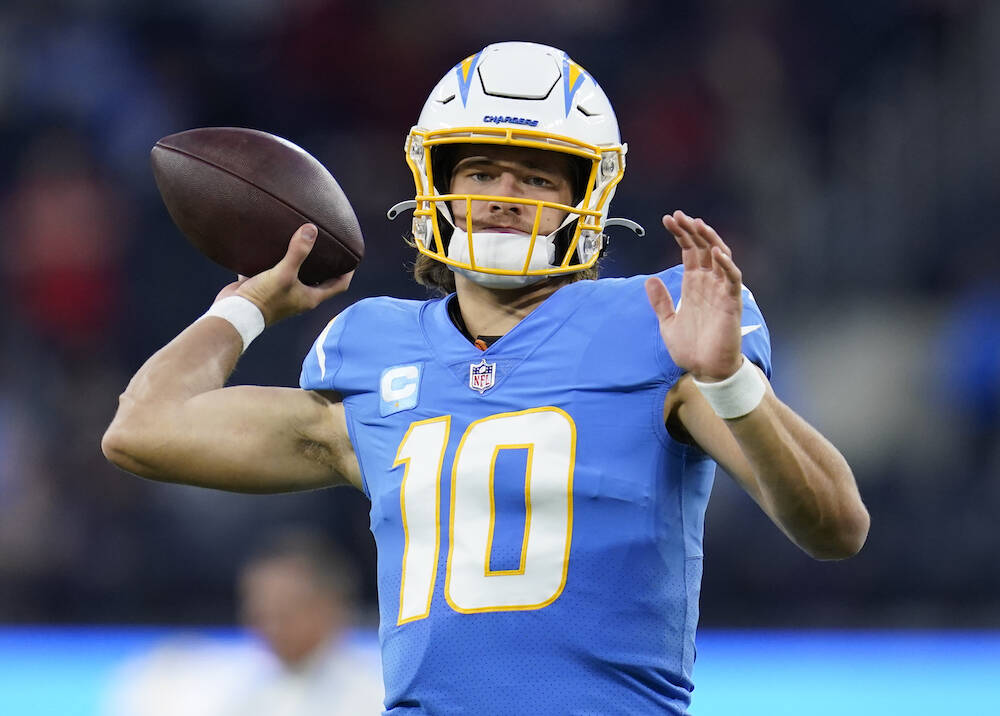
{"x":254,"y":439}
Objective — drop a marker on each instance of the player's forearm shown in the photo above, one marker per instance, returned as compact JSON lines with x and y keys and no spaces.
{"x":151,"y":409}
{"x":200,"y":359}
{"x":803,"y":481}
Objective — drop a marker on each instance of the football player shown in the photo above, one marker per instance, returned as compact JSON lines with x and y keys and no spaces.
{"x":538,"y":449}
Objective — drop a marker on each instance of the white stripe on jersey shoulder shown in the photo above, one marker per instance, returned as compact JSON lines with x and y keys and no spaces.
{"x":320,"y":343}
{"x":753,"y":327}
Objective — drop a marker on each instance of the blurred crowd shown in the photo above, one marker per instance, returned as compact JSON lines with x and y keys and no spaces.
{"x":849,"y":152}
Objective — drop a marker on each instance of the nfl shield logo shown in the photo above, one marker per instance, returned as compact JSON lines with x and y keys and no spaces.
{"x":481,"y":375}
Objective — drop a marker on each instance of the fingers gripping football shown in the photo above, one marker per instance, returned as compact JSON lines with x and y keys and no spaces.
{"x":703,"y":335}
{"x":278,"y":292}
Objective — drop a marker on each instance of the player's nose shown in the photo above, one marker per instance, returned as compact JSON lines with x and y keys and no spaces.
{"x":507,"y":185}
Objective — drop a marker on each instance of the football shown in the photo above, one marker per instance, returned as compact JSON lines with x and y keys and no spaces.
{"x":239,"y":194}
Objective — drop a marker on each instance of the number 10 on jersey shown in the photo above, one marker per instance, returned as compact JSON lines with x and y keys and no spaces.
{"x":549,"y":436}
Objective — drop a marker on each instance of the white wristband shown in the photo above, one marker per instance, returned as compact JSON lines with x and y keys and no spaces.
{"x":242,"y":313}
{"x":737,"y":395}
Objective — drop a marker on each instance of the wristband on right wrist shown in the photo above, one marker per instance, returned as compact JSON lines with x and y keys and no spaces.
{"x":242,"y":313}
{"x":737,"y":395}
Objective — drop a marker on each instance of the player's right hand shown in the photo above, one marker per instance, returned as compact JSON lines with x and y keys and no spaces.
{"x":278,"y":292}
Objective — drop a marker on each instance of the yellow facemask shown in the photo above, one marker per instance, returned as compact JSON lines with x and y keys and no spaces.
{"x":586,"y":237}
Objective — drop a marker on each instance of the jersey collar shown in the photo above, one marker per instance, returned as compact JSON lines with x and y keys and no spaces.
{"x":451,"y":344}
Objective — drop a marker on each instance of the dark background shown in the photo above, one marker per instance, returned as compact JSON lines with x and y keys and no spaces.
{"x":849,"y":152}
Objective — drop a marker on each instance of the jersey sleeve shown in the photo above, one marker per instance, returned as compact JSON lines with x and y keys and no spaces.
{"x":756,"y":340}
{"x":323,"y":362}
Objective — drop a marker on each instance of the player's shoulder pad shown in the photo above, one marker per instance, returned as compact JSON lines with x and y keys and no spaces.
{"x":628,"y":285}
{"x":671,"y":278}
{"x":347,"y":335}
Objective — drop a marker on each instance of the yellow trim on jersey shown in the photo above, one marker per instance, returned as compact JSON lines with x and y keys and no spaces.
{"x":530,"y":447}
{"x":446,"y":419}
{"x":569,"y":516}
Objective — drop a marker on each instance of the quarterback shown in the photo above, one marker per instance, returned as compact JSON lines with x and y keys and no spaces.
{"x":538,"y":445}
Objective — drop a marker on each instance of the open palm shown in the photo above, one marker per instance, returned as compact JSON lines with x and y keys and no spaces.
{"x":703,"y":333}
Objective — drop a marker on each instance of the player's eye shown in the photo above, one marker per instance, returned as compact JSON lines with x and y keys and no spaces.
{"x":538,"y":181}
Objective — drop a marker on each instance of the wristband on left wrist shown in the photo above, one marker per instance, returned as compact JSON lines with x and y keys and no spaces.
{"x":738,"y":394}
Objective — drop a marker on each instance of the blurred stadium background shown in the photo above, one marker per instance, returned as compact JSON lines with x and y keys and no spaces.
{"x":849,"y":152}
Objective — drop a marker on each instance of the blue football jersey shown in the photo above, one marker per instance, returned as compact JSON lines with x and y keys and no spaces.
{"x":539,"y":532}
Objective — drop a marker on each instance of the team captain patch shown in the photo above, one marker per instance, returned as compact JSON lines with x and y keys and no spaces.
{"x":399,"y":388}
{"x":482,"y":375}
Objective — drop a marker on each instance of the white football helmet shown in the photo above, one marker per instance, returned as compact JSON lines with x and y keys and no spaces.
{"x":525,"y":95}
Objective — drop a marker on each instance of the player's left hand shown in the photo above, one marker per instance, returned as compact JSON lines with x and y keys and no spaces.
{"x":703,"y":335}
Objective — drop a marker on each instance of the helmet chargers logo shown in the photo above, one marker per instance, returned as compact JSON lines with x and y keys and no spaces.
{"x":497,"y":119}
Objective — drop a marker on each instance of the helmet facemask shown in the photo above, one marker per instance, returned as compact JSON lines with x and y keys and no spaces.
{"x":573,"y":246}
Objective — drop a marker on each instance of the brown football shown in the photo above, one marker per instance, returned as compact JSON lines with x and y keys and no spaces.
{"x":239,"y":194}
